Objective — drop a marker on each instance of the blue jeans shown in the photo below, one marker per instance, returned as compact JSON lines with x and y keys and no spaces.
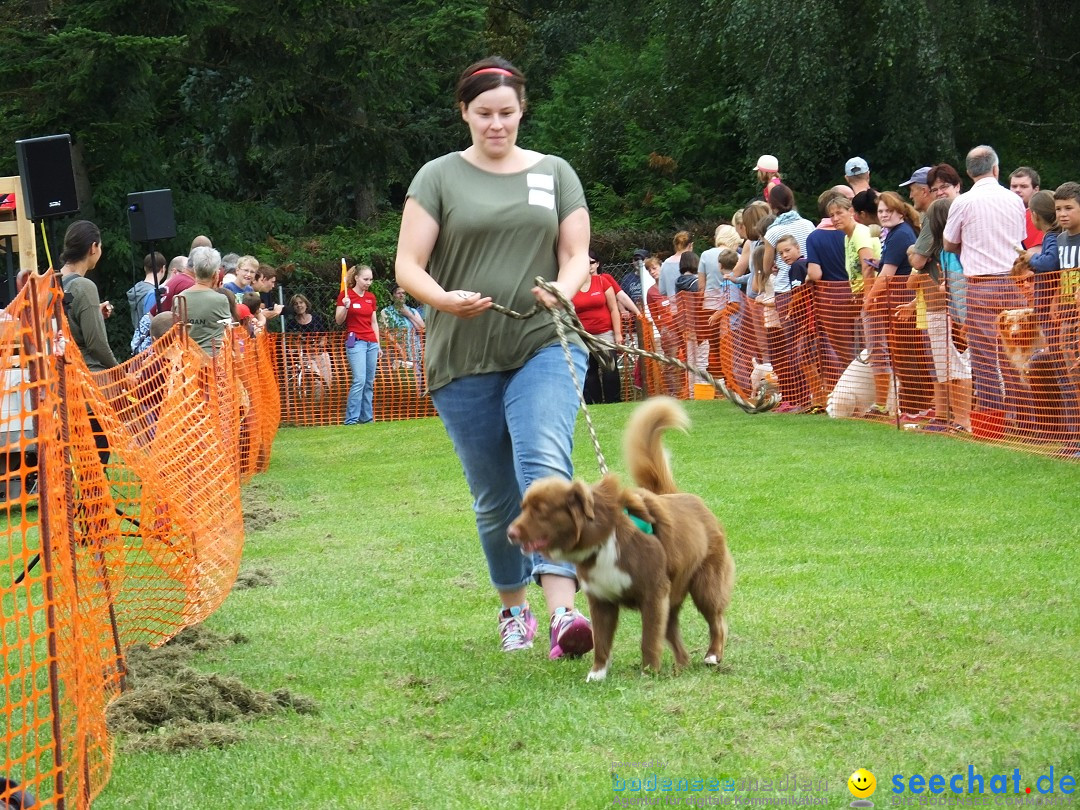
{"x":362,"y":358}
{"x":509,"y":429}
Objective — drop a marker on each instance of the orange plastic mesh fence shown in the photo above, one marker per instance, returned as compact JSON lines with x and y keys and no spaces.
{"x":314,"y":376}
{"x":122,"y":516}
{"x":992,"y":359}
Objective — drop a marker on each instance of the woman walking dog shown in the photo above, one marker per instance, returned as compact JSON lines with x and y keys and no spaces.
{"x":478,"y":227}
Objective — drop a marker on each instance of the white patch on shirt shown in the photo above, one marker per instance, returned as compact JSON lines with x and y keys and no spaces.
{"x":606,"y":580}
{"x":544,"y":181}
{"x":544,"y":199}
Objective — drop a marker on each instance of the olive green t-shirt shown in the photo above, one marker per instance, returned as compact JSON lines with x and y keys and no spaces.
{"x":497,"y":233}
{"x":206,"y":309}
{"x":83,"y":309}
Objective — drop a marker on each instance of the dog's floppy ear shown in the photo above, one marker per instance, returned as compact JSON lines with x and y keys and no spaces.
{"x":635,"y":505}
{"x":1003,"y":318}
{"x":579,"y":500}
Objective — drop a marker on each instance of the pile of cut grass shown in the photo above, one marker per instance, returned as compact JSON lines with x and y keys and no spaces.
{"x":169,"y":706}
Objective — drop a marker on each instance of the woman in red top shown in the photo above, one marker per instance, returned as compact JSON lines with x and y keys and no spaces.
{"x":599,"y":313}
{"x":356,"y":308}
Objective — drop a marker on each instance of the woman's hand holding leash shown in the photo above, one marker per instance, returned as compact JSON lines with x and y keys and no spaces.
{"x":549,"y":300}
{"x":465,"y":304}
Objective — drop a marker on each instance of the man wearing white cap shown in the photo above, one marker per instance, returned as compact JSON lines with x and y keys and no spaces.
{"x":768,"y":173}
{"x":857,"y":174}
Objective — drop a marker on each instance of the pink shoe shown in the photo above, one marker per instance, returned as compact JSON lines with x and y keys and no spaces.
{"x":571,"y":634}
{"x":517,"y":628}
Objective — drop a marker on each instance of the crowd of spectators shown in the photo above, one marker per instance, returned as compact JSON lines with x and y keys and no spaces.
{"x":924,"y":292}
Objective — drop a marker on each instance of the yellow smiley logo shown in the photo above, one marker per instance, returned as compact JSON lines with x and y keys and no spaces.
{"x":862,"y":784}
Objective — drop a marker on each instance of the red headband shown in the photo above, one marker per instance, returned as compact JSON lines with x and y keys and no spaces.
{"x":499,"y":70}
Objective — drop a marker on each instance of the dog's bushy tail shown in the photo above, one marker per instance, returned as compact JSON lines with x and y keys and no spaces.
{"x":644,"y":447}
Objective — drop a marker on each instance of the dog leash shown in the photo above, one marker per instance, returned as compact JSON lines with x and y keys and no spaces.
{"x":567,"y":319}
{"x":766,"y":401}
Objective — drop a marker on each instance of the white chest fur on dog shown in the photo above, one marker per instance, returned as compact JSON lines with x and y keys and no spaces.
{"x":606,"y":580}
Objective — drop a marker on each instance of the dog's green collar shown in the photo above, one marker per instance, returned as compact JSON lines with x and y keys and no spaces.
{"x":641,"y":524}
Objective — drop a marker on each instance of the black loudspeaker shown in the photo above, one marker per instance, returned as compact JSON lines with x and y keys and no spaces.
{"x":150,"y":215}
{"x":48,"y":176}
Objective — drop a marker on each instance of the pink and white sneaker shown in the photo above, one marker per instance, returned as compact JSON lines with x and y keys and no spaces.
{"x":571,"y":634}
{"x":517,"y":628}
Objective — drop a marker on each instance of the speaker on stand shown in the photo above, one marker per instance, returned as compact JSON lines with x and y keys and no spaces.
{"x":47,"y":173}
{"x":151,"y":218}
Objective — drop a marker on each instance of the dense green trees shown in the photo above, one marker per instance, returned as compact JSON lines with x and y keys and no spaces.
{"x":305,"y":119}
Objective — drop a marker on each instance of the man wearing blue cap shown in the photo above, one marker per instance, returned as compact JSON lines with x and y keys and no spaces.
{"x":918,"y":187}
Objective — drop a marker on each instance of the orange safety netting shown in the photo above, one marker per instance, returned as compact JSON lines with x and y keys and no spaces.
{"x":314,"y":376}
{"x":122,"y":516}
{"x":993,"y":359}
{"x":990,"y":358}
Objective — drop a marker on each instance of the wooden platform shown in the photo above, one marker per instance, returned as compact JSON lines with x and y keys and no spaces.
{"x":16,"y":225}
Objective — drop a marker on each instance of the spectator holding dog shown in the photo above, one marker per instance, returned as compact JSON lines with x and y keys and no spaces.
{"x":356,"y":309}
{"x":1065,"y":306}
{"x":478,"y":226}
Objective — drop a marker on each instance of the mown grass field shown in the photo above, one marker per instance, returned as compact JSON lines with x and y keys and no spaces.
{"x":905,"y":603}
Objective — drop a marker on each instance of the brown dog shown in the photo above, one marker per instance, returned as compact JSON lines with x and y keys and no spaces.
{"x":619,"y":564}
{"x":1021,"y":337}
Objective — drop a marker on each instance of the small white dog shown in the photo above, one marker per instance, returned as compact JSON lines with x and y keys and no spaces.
{"x":762,"y":373}
{"x":854,"y":391}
